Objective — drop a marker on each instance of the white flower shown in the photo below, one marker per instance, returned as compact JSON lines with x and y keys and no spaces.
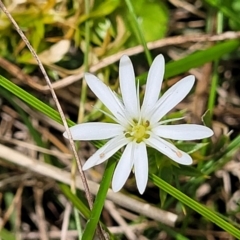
{"x":138,"y":127}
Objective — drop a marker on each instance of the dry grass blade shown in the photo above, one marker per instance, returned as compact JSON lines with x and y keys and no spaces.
{"x":66,"y":217}
{"x":12,"y":206}
{"x":118,"y":218}
{"x":38,"y":195}
{"x":188,"y":7}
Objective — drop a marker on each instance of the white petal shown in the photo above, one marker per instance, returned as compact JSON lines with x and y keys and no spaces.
{"x":94,"y":131}
{"x":169,"y":150}
{"x":106,"y":95}
{"x":183,"y":131}
{"x":123,"y":168}
{"x":105,"y":152}
{"x":128,"y":86}
{"x":172,"y":97}
{"x":141,"y":166}
{"x":153,"y":84}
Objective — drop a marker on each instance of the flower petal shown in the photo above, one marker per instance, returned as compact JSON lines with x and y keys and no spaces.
{"x":169,"y":150}
{"x":183,"y":131}
{"x":105,"y":152}
{"x":153,"y":84}
{"x":128,"y":86}
{"x":107,"y":97}
{"x":172,"y":97}
{"x":141,"y":166}
{"x":94,"y":131}
{"x":123,"y":168}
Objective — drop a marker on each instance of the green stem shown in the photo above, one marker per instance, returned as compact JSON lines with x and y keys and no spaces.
{"x":78,"y":223}
{"x":214,"y":83}
{"x":138,"y":31}
{"x":99,"y":200}
{"x":86,"y":64}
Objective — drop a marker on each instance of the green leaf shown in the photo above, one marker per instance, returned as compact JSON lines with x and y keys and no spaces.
{"x":223,"y":6}
{"x":191,"y":147}
{"x":221,"y":143}
{"x":99,"y":200}
{"x":224,"y":156}
{"x":187,"y":171}
{"x":165,"y":173}
{"x":32,"y":101}
{"x":207,"y":118}
{"x":103,"y":9}
{"x":153,"y":18}
{"x":38,"y":35}
{"x":6,"y":235}
{"x":173,"y":232}
{"x":236,"y":5}
{"x":199,"y":58}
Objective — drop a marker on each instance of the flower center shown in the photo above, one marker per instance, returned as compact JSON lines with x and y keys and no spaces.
{"x":138,"y":132}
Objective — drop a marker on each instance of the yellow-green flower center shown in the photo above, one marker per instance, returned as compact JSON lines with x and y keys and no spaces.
{"x":138,"y":131}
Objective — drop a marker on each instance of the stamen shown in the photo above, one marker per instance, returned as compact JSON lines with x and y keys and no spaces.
{"x":138,"y":131}
{"x":127,"y":135}
{"x":147,"y":123}
{"x":147,"y":135}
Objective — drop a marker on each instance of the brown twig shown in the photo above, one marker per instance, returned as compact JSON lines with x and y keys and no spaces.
{"x":38,"y":196}
{"x":119,"y":219}
{"x":11,"y":208}
{"x":66,"y":217}
{"x":188,"y":7}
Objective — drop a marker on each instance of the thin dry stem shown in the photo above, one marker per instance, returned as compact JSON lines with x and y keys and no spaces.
{"x":11,"y":207}
{"x":38,"y":195}
{"x":65,"y":223}
{"x":119,"y":219}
